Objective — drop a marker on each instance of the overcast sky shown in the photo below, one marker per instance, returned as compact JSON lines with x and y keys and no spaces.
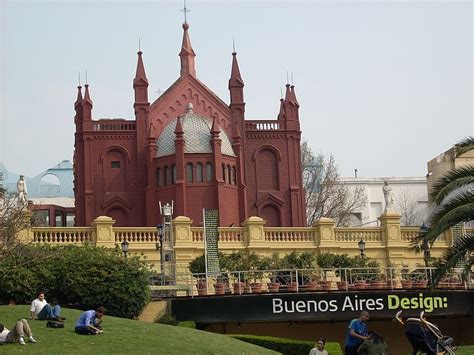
{"x":383,"y":86}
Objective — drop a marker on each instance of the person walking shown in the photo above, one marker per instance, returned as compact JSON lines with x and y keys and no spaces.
{"x":356,"y":333}
{"x":17,"y":334}
{"x":319,"y":348}
{"x":42,"y":310}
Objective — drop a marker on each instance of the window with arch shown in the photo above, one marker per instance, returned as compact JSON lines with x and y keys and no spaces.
{"x":209,"y":172}
{"x":158,"y":177}
{"x":229,"y":174}
{"x":189,"y":172}
{"x":199,"y":172}
{"x":173,"y":174}
{"x":234,"y":175}
{"x":223,"y":172}
{"x":165,"y":176}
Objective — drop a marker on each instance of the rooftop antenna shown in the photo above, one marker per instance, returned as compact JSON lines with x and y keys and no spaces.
{"x":233,"y":43}
{"x":292,"y":84}
{"x":86,"y":78}
{"x":139,"y":45}
{"x":287,"y":79}
{"x":281,"y":92}
{"x":185,"y":10}
{"x":79,"y":78}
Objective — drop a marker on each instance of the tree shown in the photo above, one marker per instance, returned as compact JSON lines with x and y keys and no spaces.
{"x":325,"y":195}
{"x":453,"y":196}
{"x":408,"y":208}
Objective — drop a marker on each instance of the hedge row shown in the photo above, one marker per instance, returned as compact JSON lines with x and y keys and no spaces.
{"x":83,"y":277}
{"x":286,"y":346}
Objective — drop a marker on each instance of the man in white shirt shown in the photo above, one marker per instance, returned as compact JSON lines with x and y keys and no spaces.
{"x":40,"y":309}
{"x":319,"y":348}
{"x":17,"y":334}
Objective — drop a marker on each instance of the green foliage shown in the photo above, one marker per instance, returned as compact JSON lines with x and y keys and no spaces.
{"x":82,"y":276}
{"x":187,"y":324}
{"x":286,"y":346}
{"x":295,"y":260}
{"x":168,"y":320}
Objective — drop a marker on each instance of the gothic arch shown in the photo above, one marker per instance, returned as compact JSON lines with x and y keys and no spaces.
{"x":267,"y":168}
{"x":271,"y":213}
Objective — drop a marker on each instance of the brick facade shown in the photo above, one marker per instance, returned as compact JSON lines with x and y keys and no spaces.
{"x":249,"y":168}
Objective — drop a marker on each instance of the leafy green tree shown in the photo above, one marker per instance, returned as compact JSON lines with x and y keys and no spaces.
{"x":453,"y":197}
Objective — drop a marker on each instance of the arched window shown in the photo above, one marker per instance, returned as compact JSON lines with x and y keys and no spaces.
{"x":234,"y":175}
{"x":165,"y":176}
{"x":173,"y":174}
{"x":198,"y":172}
{"x":229,"y":174}
{"x":209,"y":172}
{"x":189,"y":172}
{"x":158,"y":177}
{"x":223,"y":173}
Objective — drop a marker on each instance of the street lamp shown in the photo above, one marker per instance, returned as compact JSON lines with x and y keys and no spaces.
{"x":159,"y":246}
{"x":124,"y":245}
{"x":361,"y":245}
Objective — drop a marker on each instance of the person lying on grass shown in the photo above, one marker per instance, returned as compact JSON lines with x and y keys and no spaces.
{"x":17,"y":334}
{"x":89,"y":322}
{"x":40,"y":309}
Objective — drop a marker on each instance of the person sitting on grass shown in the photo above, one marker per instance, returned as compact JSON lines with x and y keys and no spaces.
{"x":40,"y":309}
{"x":89,"y":322}
{"x":17,"y":334}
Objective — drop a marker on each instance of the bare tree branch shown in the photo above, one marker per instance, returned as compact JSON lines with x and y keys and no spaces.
{"x":325,"y":195}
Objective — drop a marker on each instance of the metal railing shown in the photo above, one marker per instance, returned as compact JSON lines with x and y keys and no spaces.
{"x":315,"y":280}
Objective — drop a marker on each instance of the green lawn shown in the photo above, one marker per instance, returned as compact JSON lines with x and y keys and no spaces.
{"x":465,"y":350}
{"x":121,"y":336}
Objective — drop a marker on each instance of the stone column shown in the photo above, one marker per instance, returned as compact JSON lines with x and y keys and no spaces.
{"x":254,"y":235}
{"x":391,"y":237}
{"x":103,"y":234}
{"x":324,"y":233}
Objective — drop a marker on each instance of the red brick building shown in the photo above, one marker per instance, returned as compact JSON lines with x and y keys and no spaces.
{"x":190,"y":147}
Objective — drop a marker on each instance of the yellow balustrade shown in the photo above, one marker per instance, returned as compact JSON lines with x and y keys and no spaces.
{"x":389,"y":243}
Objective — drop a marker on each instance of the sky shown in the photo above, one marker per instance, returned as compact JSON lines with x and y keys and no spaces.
{"x":384,"y":86}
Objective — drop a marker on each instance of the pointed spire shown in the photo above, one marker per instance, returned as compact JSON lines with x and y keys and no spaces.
{"x":288,"y":93}
{"x":179,"y":128}
{"x":235,"y":78}
{"x":293,"y":96}
{"x":79,"y":96}
{"x":215,"y":127}
{"x":87,"y":97}
{"x":187,"y":53}
{"x":140,"y":76}
{"x":281,"y":114}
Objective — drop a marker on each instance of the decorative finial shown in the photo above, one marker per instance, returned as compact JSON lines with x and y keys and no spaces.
{"x":189,"y":108}
{"x":185,"y":10}
{"x":86,"y":78}
{"x":139,"y":45}
{"x":79,"y":78}
{"x":292,"y":84}
{"x":287,"y":78}
{"x":281,"y":93}
{"x":233,"y":44}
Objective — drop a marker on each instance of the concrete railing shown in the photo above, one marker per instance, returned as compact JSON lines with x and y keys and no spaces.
{"x":388,"y":244}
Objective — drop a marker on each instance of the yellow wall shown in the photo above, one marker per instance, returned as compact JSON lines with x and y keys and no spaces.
{"x":388,"y":243}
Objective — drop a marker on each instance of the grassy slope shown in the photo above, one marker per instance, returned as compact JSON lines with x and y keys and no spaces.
{"x":121,"y":336}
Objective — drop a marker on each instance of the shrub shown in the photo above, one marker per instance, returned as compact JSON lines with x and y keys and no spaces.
{"x":286,"y":346}
{"x":82,"y":276}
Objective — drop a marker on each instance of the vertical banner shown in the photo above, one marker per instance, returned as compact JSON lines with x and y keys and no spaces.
{"x":211,"y":236}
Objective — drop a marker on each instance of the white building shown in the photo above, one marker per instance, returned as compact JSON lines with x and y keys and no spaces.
{"x":410,"y":198}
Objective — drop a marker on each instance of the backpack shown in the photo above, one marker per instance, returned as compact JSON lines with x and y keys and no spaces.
{"x":54,"y":324}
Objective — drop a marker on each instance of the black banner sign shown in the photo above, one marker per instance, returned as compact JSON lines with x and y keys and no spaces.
{"x":321,"y":306}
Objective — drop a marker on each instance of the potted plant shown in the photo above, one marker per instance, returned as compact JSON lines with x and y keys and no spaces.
{"x":201,"y":286}
{"x":407,"y":282}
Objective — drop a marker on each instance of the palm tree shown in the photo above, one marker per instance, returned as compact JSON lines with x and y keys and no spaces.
{"x":453,"y":195}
